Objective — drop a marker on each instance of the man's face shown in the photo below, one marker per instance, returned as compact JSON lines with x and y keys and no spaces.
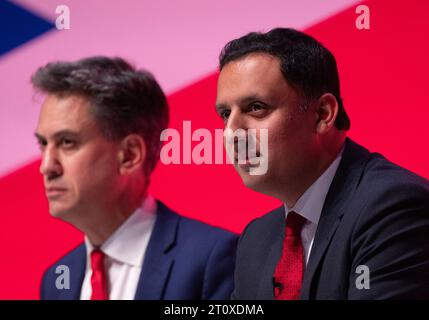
{"x":79,"y":165}
{"x":252,"y":94}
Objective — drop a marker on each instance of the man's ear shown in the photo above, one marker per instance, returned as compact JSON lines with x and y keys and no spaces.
{"x":326,"y":112}
{"x":132,"y":154}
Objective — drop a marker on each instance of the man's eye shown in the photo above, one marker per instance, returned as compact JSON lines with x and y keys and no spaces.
{"x":41,"y":145}
{"x":67,"y":143}
{"x":224,"y":114}
{"x":256,"y":107}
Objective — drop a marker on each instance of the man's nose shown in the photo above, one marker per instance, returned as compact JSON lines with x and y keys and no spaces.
{"x":235,"y":121}
{"x":50,"y":166}
{"x":236,"y":134}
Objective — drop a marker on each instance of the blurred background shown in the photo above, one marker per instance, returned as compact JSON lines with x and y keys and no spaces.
{"x":383,"y":74}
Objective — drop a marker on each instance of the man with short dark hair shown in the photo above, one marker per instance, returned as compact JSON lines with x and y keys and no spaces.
{"x":353,"y":224}
{"x":99,"y":133}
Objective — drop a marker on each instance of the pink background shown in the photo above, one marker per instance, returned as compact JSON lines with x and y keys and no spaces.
{"x":383,"y":74}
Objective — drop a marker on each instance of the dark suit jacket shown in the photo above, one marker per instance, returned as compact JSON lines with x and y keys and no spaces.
{"x":375,"y":214}
{"x":185,"y":259}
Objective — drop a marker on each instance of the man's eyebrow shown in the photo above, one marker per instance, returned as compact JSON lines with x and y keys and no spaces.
{"x":39,"y":137}
{"x":252,"y":98}
{"x":63,"y":133}
{"x":220,"y":106}
{"x":57,"y":135}
{"x":242,"y":101}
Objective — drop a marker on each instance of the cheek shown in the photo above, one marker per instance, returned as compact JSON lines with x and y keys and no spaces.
{"x":93,"y":173}
{"x":283,"y":145}
{"x":278,"y":137}
{"x":104,"y":172}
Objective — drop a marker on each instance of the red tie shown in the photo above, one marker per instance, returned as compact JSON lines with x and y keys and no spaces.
{"x":98,"y":277}
{"x":290,"y":269}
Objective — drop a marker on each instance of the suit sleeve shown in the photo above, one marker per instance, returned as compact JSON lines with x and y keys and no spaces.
{"x":219,"y":273}
{"x":236,"y":293}
{"x":43,"y":283}
{"x":391,"y":240}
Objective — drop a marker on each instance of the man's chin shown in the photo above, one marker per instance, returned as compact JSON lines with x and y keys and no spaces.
{"x":255,"y":182}
{"x":59,"y":212}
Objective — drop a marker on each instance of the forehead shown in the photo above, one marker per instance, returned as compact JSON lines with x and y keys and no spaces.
{"x":256,"y":73}
{"x":64,"y":113}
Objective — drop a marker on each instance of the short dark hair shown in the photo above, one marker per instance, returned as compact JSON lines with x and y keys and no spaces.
{"x":122,"y":100}
{"x":305,"y":63}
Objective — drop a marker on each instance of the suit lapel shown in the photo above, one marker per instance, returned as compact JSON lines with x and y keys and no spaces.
{"x":340,"y":193}
{"x":77,"y":273}
{"x":266,"y":285}
{"x":158,"y":261}
{"x":266,"y":289}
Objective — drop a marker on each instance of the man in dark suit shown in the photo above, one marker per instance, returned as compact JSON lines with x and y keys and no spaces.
{"x":353,"y":224}
{"x":99,"y":133}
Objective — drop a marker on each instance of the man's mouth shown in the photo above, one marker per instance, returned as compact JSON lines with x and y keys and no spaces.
{"x":53,"y":192}
{"x":246,"y":161}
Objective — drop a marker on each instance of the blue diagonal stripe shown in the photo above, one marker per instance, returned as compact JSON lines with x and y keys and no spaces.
{"x":18,"y":26}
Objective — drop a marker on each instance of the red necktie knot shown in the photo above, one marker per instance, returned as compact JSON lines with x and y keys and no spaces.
{"x":294,"y":224}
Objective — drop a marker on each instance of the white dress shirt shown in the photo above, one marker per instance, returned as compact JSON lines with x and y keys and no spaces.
{"x":310,"y":204}
{"x":124,"y":253}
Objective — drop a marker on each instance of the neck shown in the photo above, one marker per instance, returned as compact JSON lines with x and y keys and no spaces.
{"x":105,"y":219}
{"x":329,"y":152}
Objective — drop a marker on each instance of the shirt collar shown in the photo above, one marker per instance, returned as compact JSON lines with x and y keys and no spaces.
{"x":127,"y":243}
{"x":310,"y":204}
